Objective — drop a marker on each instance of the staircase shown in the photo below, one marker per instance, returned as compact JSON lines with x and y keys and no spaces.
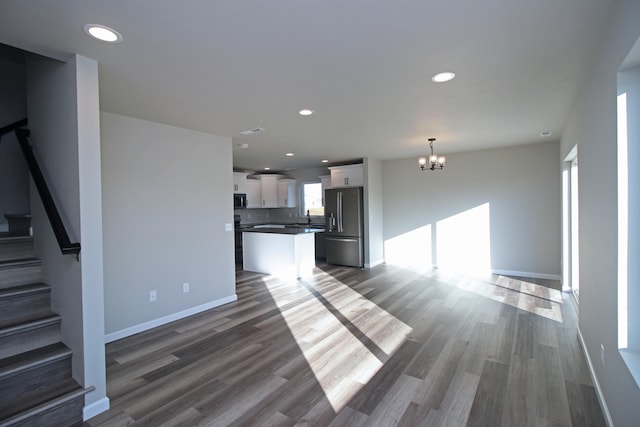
{"x":36,"y":387}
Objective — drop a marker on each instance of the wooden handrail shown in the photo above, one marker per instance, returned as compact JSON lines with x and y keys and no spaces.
{"x":13,"y":126}
{"x":66,"y":246}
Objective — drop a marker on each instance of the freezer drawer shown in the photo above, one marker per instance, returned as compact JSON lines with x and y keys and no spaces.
{"x":344,"y":251}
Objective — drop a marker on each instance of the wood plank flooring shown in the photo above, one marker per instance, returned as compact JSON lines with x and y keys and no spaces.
{"x":350,"y":347}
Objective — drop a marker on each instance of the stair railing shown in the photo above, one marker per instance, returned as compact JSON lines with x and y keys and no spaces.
{"x":66,"y":246}
{"x":13,"y":126}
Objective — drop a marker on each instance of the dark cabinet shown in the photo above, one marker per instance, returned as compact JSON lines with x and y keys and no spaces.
{"x":238,"y":245}
{"x":321,"y":251}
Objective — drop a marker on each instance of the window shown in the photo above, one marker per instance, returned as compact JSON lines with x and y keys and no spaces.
{"x":629,"y":219}
{"x":312,"y":195}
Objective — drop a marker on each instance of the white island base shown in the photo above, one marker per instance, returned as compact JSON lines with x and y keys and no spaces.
{"x":282,"y":255}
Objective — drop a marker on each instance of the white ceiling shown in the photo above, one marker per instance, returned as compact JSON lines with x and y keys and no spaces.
{"x":364,"y":66}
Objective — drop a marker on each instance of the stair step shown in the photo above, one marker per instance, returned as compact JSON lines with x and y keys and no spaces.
{"x":28,"y":333}
{"x":34,"y":370}
{"x":19,"y":247}
{"x":58,"y":405}
{"x":20,"y":272}
{"x":25,"y":300}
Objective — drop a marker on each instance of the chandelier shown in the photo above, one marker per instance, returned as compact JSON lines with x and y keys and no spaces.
{"x":433,"y":161}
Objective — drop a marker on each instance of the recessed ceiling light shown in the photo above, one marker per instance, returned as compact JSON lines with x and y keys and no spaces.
{"x":305,"y":112}
{"x":267,"y":169}
{"x":443,"y":77}
{"x":102,"y":32}
{"x":289,"y":154}
{"x":242,"y":145}
{"x":545,"y":133}
{"x":325,"y":161}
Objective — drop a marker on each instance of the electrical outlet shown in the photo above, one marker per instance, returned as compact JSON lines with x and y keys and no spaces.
{"x":228,"y":227}
{"x":602,"y":354}
{"x":185,"y":287}
{"x":153,"y":295}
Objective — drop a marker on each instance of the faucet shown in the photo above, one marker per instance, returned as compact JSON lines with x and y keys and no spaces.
{"x":308,"y":218}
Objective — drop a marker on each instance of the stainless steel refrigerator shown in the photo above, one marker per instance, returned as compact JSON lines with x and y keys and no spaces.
{"x":344,"y":226}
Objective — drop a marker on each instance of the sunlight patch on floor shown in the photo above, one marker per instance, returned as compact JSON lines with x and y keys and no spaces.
{"x":530,"y":297}
{"x":363,"y":335}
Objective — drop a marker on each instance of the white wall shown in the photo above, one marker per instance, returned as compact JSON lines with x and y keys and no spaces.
{"x":373,"y":206}
{"x":592,"y":127}
{"x":90,"y":191}
{"x":14,"y":175}
{"x":63,"y":110}
{"x":167,"y":195}
{"x":519,"y":187}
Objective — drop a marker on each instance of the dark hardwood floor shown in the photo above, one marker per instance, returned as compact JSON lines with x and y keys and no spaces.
{"x":349,"y":347}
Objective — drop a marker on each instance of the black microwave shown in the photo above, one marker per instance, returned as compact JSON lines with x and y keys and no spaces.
{"x":239,"y":201}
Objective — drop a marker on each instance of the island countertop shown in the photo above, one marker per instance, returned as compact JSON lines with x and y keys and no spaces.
{"x":281,"y":230}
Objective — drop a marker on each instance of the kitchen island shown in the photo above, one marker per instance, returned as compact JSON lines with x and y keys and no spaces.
{"x":279,"y":250}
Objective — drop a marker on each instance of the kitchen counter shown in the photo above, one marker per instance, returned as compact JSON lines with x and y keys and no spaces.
{"x":282,"y":230}
{"x":279,"y":226}
{"x":282,"y":251}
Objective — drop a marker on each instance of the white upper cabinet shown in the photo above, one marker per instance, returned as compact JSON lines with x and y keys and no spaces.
{"x":266,"y":190}
{"x":287,"y":193}
{"x":347,"y":176}
{"x":253,"y":193}
{"x":269,"y":191}
{"x":239,"y":182}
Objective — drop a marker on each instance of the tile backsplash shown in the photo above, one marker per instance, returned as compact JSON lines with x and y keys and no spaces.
{"x":256,"y":216}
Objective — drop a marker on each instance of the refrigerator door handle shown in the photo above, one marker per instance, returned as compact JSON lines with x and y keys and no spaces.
{"x":341,"y":212}
{"x":338,"y":212}
{"x":340,"y":239}
{"x":340,"y":229}
{"x":337,"y":219}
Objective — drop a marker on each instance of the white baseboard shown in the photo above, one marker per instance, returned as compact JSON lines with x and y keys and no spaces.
{"x":527,"y":274}
{"x":373,"y":264}
{"x":596,"y":384}
{"x":113,"y":336}
{"x":95,"y":408}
